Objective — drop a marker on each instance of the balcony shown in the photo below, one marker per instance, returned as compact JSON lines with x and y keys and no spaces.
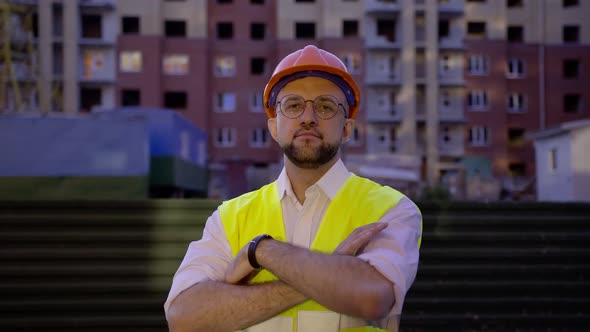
{"x":381,"y":43}
{"x":451,"y":7}
{"x":454,"y":78}
{"x":96,"y":42}
{"x":451,"y":115}
{"x":98,"y":4}
{"x":447,"y":149}
{"x":391,"y":113}
{"x":381,"y":6}
{"x":452,"y":43}
{"x":383,"y":79}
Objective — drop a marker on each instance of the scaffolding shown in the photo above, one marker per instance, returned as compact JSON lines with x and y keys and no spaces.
{"x":20,"y":80}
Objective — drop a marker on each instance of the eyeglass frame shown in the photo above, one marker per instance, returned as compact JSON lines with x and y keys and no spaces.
{"x":279,"y":106}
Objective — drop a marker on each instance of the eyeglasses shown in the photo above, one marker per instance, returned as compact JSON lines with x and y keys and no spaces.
{"x":324,"y":106}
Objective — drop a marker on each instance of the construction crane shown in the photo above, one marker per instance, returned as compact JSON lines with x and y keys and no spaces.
{"x":20,"y":84}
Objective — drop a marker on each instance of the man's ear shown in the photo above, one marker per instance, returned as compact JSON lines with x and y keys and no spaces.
{"x":347,"y":130}
{"x":272,"y":127}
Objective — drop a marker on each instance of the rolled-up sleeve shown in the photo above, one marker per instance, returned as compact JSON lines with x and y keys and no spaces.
{"x":206,"y":259}
{"x":394,"y":252}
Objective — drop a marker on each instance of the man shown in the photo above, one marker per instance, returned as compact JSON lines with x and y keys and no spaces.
{"x":319,"y":249}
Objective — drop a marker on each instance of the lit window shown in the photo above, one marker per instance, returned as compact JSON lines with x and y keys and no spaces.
{"x":478,"y":65}
{"x":94,"y":63}
{"x":224,"y":137}
{"x":515,"y":68}
{"x":259,"y":138}
{"x":479,"y":136}
{"x":516,"y":103}
{"x":225,"y":66}
{"x":477,"y":100}
{"x":175,"y":64}
{"x":256,"y":102}
{"x":352,"y":61}
{"x":225,"y":102}
{"x":130,"y":62}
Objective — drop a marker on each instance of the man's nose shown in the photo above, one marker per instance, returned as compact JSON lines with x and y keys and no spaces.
{"x":308,"y":115}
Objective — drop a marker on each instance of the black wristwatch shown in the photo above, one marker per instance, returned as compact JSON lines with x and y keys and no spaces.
{"x":252,"y":250}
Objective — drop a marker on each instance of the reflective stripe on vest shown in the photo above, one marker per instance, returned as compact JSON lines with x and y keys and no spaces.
{"x":359,"y":202}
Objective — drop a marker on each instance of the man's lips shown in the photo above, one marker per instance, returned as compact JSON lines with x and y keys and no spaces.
{"x":307,"y":134}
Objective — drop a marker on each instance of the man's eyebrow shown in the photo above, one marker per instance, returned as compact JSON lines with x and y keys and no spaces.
{"x":327,"y":97}
{"x":289,"y":97}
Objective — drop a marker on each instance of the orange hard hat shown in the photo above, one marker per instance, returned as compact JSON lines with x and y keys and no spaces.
{"x":311,"y":61}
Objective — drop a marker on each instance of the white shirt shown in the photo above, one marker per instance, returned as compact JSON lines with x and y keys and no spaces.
{"x":393,"y":252}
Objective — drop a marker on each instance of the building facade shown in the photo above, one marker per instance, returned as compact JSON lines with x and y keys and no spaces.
{"x":526,"y":70}
{"x":60,"y":55}
{"x":450,"y":87}
{"x":414,"y":82}
{"x":211,"y":60}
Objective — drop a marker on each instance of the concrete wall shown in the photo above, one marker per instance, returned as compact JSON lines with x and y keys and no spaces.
{"x":554,"y":185}
{"x":581,"y":164}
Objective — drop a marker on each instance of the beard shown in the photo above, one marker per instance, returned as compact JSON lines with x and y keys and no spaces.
{"x":308,"y":157}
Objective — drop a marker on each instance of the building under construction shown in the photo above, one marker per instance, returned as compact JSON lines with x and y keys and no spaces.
{"x":46,"y":68}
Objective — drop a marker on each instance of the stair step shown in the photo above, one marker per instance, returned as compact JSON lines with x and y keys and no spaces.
{"x":507,"y":235}
{"x":101,"y":237}
{"x":91,"y":252}
{"x":95,"y":322}
{"x":494,"y":322}
{"x":104,"y":218}
{"x":500,"y":288}
{"x":498,"y":305}
{"x":487,"y":271}
{"x":56,"y":289}
{"x":89,"y":270}
{"x":479,"y":255}
{"x":108,"y":305}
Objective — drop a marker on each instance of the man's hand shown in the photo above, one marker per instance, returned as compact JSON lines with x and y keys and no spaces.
{"x":240,"y":269}
{"x":358,"y":238}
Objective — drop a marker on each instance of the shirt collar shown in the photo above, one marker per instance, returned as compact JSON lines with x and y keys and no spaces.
{"x":330,"y":183}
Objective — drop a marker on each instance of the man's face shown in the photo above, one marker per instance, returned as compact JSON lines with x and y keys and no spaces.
{"x":309,"y":141}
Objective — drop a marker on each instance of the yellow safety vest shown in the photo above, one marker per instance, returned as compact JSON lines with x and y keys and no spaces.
{"x":359,"y":202}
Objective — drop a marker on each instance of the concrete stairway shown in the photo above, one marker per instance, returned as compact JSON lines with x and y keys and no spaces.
{"x":107,"y":266}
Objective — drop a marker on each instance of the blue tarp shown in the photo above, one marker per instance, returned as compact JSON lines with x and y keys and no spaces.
{"x":72,"y":146}
{"x":116,"y":142}
{"x":171,"y":134}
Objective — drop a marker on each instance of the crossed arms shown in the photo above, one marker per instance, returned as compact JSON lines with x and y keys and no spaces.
{"x":339,"y":281}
